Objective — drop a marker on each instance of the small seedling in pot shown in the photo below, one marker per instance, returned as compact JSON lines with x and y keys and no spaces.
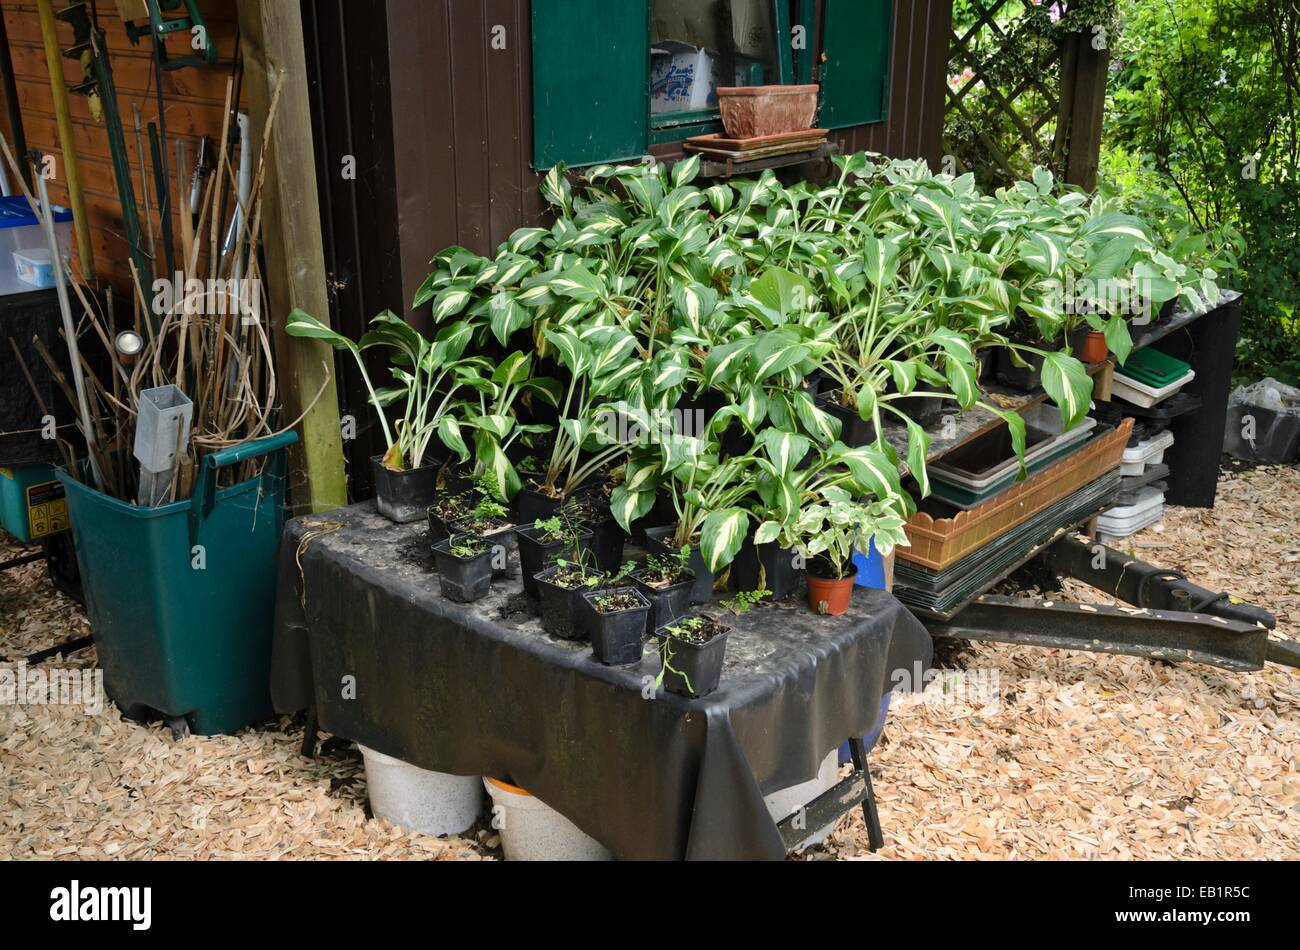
{"x":617,"y":601}
{"x":576,"y":576}
{"x":691,"y":652}
{"x":664,"y":570}
{"x":468,"y":547}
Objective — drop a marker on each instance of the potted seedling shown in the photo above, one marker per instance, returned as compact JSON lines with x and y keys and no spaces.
{"x":691,"y":652}
{"x":464,"y":567}
{"x":559,"y":588}
{"x":429,"y":378}
{"x":616,"y":620}
{"x":560,"y":536}
{"x":490,"y":520}
{"x":666,"y":580}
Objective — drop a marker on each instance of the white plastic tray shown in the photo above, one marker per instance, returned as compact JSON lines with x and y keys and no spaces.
{"x":1150,"y":452}
{"x":1140,"y":394}
{"x":1129,"y":519}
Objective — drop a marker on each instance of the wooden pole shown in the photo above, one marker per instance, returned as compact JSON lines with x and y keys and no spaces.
{"x":274,"y":55}
{"x":1087,"y":108}
{"x":63,"y":116}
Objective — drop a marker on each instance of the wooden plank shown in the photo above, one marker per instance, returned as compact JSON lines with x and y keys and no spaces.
{"x":275,"y":57}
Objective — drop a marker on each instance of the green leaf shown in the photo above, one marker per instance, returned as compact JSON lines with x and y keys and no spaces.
{"x":302,"y":324}
{"x":508,"y":316}
{"x":449,"y":433}
{"x":684,"y":172}
{"x":1067,"y":382}
{"x":784,"y":449}
{"x":628,"y":506}
{"x":918,"y":447}
{"x":721,"y":537}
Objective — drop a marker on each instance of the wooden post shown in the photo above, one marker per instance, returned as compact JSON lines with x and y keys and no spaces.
{"x":271,"y":32}
{"x":63,"y":117}
{"x":1084,"y":89}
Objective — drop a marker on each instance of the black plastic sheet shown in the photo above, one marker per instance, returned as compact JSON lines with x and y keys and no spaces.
{"x":481,"y":690}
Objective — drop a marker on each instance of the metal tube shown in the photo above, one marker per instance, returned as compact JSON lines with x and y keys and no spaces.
{"x":69,"y":326}
{"x":63,"y":115}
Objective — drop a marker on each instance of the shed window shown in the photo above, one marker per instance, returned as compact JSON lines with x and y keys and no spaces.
{"x":612,"y":79}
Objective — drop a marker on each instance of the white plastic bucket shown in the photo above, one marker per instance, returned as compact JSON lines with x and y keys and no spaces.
{"x":432,"y":803}
{"x":784,"y":803}
{"x":532,"y":830}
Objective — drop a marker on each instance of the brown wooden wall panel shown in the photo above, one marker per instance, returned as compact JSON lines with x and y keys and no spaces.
{"x":194,"y":101}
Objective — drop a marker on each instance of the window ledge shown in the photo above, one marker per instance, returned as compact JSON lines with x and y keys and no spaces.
{"x":729,"y":168}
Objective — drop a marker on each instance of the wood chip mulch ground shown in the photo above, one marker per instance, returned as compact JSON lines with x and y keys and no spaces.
{"x":1014,"y":753}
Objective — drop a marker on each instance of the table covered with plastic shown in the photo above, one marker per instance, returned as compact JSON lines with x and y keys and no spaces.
{"x":363,"y":635}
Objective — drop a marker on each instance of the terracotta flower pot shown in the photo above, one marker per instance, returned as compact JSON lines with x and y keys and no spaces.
{"x":749,"y":111}
{"x":830,"y":597}
{"x":1094,"y":349}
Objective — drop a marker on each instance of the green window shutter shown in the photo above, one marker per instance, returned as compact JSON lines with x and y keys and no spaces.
{"x":591,"y":67}
{"x":856,"y":38}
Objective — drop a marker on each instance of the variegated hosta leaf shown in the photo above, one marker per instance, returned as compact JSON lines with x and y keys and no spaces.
{"x":449,"y":433}
{"x":684,"y":172}
{"x":525,"y":239}
{"x":721,"y":537}
{"x":784,"y":449}
{"x":508,"y":316}
{"x":556,"y":190}
{"x":694,"y":303}
{"x":870,"y":468}
{"x":918,"y":447}
{"x":962,"y":381}
{"x":450,"y":302}
{"x":577,"y":283}
{"x":628,"y":506}
{"x":492,"y":460}
{"x":1067,"y":382}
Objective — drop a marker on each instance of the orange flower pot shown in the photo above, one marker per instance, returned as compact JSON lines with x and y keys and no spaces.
{"x":1094,"y":349}
{"x":828,"y":597}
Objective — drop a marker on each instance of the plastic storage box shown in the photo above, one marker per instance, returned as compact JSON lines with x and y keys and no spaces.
{"x":1150,"y":377}
{"x":24,"y":257}
{"x":1149,"y":452}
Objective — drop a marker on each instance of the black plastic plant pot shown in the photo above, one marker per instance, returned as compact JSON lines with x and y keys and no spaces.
{"x":854,"y":430}
{"x":562,"y":613}
{"x":925,"y":411}
{"x":532,"y":505}
{"x":464,"y":580}
{"x":1026,"y":379}
{"x":659,"y":541}
{"x":666,"y":603}
{"x":536,"y":555}
{"x":779,"y":574}
{"x":498,"y":538}
{"x":403,"y":497}
{"x":987,"y":360}
{"x":616,"y":636}
{"x":607,"y":540}
{"x":662,"y":513}
{"x":439,"y":530}
{"x":692,"y":670}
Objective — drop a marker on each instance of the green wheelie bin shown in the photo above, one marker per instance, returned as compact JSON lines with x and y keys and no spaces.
{"x":181,"y":597}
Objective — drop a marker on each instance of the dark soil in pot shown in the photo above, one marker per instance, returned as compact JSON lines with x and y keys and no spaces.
{"x":498,"y":532}
{"x":445,"y":510}
{"x":854,"y":430}
{"x":560,"y":589}
{"x":669,"y":594}
{"x":464,"y":568}
{"x":537,"y":552}
{"x":616,"y":620}
{"x":659,"y":541}
{"x":779,"y":574}
{"x":692,"y":651}
{"x":403,"y":497}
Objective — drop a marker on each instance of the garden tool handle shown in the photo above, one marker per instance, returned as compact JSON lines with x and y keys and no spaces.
{"x":205,"y":491}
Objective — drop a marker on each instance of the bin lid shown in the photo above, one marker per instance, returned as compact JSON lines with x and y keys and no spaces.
{"x":15,"y":212}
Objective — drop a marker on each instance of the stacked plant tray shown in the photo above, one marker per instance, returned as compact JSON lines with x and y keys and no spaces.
{"x":1146,"y":508}
{"x":938,"y":543}
{"x":940,"y":593}
{"x":1150,"y":377}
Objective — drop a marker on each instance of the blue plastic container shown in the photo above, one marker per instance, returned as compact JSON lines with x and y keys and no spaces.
{"x":871,"y":573}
